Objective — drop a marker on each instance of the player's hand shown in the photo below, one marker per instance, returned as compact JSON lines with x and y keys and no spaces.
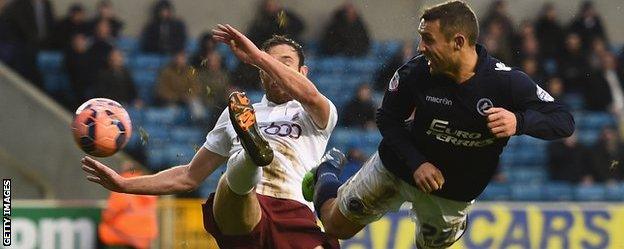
{"x":241,"y":46}
{"x":502,"y":123}
{"x":101,"y":174}
{"x":428,"y":178}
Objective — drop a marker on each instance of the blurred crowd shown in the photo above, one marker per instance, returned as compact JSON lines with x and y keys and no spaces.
{"x":574,"y":61}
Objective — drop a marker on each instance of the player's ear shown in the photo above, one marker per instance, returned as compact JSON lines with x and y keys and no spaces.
{"x":460,"y":41}
{"x":304,"y":70}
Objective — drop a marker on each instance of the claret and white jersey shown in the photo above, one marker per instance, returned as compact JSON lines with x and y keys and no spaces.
{"x":298,"y":145}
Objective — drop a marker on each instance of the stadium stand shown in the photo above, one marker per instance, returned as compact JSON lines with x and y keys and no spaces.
{"x":172,"y":134}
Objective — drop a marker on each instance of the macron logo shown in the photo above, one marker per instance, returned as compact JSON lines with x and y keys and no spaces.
{"x":442,"y":101}
{"x":502,"y":67}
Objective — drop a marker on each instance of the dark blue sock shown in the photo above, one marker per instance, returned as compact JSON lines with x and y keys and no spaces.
{"x":327,"y":185}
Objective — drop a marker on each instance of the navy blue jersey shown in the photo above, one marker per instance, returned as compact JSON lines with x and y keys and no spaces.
{"x":449,"y":128}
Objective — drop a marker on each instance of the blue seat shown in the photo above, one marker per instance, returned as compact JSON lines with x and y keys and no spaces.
{"x":590,"y":193}
{"x":149,"y":61}
{"x":50,"y":61}
{"x":144,"y":77}
{"x":156,"y":158}
{"x":597,"y":120}
{"x":334,"y":64}
{"x":615,"y":192}
{"x":154,"y":134}
{"x":161,"y":115}
{"x":574,"y":101}
{"x":496,"y":191}
{"x":255,"y":95}
{"x":231,"y":62}
{"x":177,"y":153}
{"x":311,"y":47}
{"x":527,"y":175}
{"x":558,"y":191}
{"x":187,"y":135}
{"x":588,"y":137}
{"x":56,"y":82}
{"x":344,"y":138}
{"x":526,"y":192}
{"x":136,"y":116}
{"x":129,"y":45}
{"x":210,"y":184}
{"x":191,"y":46}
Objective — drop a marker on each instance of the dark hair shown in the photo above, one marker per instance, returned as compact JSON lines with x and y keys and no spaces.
{"x":455,"y":17}
{"x":75,"y":8}
{"x":283,"y":40}
{"x":104,"y":3}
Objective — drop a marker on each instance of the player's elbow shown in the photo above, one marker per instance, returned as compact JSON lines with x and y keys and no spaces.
{"x":187,"y":186}
{"x":568,"y":126}
{"x":186,"y":182}
{"x":568,"y":130}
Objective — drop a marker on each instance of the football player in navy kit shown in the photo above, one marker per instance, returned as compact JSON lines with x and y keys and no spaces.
{"x":466,"y":104}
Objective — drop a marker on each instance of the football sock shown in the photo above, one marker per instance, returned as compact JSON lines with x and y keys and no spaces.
{"x":242,"y":174}
{"x":327,"y":184}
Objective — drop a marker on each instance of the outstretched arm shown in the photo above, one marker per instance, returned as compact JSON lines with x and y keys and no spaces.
{"x":535,"y":112}
{"x":292,"y":81}
{"x":178,"y":179}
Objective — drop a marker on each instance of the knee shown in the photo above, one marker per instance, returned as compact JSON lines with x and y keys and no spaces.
{"x":431,"y":237}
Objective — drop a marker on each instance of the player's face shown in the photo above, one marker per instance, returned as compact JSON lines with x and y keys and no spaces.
{"x":287,"y":55}
{"x":435,"y":47}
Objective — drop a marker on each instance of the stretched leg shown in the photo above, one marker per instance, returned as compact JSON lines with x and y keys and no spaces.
{"x":440,"y":222}
{"x":236,"y":207}
{"x":365,"y":197}
{"x":335,"y":223}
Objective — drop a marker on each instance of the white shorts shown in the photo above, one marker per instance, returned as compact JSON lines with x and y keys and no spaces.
{"x":373,"y":191}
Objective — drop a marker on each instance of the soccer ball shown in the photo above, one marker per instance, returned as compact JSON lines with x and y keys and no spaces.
{"x":101,"y":127}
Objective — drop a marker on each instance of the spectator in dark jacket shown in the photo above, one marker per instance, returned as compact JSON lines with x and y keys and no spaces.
{"x":360,"y":111}
{"x":78,"y":68}
{"x":101,"y":46}
{"x":273,"y":19}
{"x":567,"y":160}
{"x":74,"y":23}
{"x":28,"y":24}
{"x":105,"y":12}
{"x":346,"y":34}
{"x":532,"y":68}
{"x":497,"y":42}
{"x":115,"y":81}
{"x":608,"y":157}
{"x":588,"y":25}
{"x":603,"y":91}
{"x":387,"y":69}
{"x":573,"y":65}
{"x":498,"y":13}
{"x":549,"y":32}
{"x":165,"y":33}
{"x":206,"y":47}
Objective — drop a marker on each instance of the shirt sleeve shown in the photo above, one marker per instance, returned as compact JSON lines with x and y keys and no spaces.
{"x":537,"y":113}
{"x":331,"y":122}
{"x":218,"y":140}
{"x":397,"y":106}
